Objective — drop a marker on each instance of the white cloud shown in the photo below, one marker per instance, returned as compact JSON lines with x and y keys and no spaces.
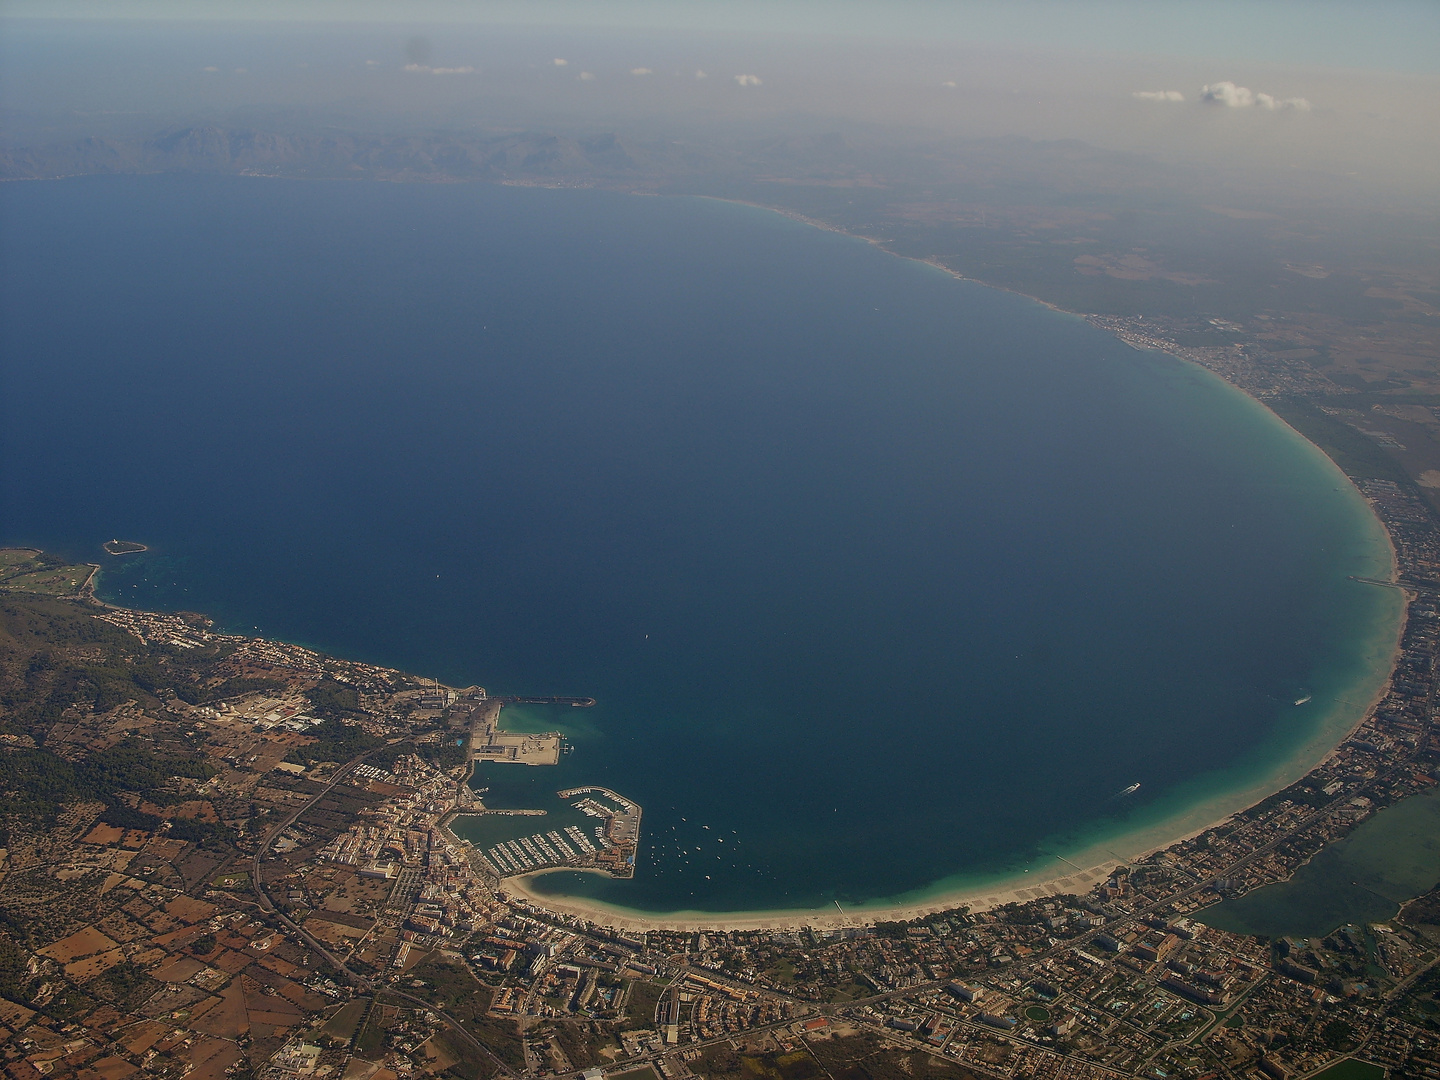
{"x":559,"y":63}
{"x":426,"y":69}
{"x":1265,"y":101}
{"x":210,"y":68}
{"x":641,"y":71}
{"x":950,"y":84}
{"x":1242,"y":97}
{"x":700,"y":74}
{"x":748,"y":80}
{"x":372,"y":63}
{"x":241,"y":71}
{"x":1227,"y":93}
{"x":1158,"y":95}
{"x":586,"y":76}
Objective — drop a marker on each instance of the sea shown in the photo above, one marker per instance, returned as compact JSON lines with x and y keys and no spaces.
{"x":884,"y":582}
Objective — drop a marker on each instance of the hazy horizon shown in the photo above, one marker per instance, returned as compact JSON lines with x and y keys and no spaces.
{"x":1348,"y":95}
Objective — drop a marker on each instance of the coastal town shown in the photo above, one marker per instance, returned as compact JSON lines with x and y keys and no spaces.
{"x":240,"y":857}
{"x":470,"y":417}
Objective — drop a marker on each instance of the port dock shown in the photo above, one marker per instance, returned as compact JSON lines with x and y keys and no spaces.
{"x":479,"y":714}
{"x":573,"y":702}
{"x":610,"y":845}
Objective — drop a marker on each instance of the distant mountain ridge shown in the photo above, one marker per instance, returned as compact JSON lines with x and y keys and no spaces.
{"x":506,"y":156}
{"x":602,"y":159}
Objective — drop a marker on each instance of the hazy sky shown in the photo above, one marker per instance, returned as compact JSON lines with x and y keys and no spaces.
{"x":1348,"y":88}
{"x":1401,"y":35}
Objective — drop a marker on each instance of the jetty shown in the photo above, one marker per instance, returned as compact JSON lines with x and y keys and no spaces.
{"x":573,"y":702}
{"x":478,"y":714}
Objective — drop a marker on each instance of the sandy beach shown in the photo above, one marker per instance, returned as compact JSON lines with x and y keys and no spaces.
{"x":1023,"y":888}
{"x":1076,"y":874}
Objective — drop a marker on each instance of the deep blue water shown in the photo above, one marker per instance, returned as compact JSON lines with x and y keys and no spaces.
{"x":880,"y":575}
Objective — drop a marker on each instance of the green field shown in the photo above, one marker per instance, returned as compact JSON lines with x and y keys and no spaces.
{"x":25,"y":570}
{"x":641,"y":1003}
{"x":341,"y":1027}
{"x":1351,"y":1069}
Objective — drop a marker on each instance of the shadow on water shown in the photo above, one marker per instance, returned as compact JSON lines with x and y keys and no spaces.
{"x":1389,"y":859}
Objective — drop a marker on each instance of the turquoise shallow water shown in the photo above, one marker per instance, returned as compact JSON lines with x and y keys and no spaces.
{"x":878,"y":577}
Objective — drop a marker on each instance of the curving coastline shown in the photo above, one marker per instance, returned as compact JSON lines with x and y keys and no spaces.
{"x":1044,"y":872}
{"x":1182,"y":816}
{"x":1075,"y":872}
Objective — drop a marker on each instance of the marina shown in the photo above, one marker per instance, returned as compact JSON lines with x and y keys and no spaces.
{"x":612,"y":845}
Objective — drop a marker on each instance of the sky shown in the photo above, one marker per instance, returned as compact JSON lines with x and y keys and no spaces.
{"x":1350,"y":89}
{"x":1392,"y":35}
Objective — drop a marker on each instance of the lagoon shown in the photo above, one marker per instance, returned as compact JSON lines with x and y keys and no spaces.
{"x":1364,"y":877}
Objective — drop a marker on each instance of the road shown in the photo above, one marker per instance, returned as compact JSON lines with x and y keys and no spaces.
{"x":1164,"y":902}
{"x":356,"y":980}
{"x":258,"y":883}
{"x":1199,"y":884}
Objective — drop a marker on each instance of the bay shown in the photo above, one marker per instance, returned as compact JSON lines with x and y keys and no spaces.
{"x":884,"y":579}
